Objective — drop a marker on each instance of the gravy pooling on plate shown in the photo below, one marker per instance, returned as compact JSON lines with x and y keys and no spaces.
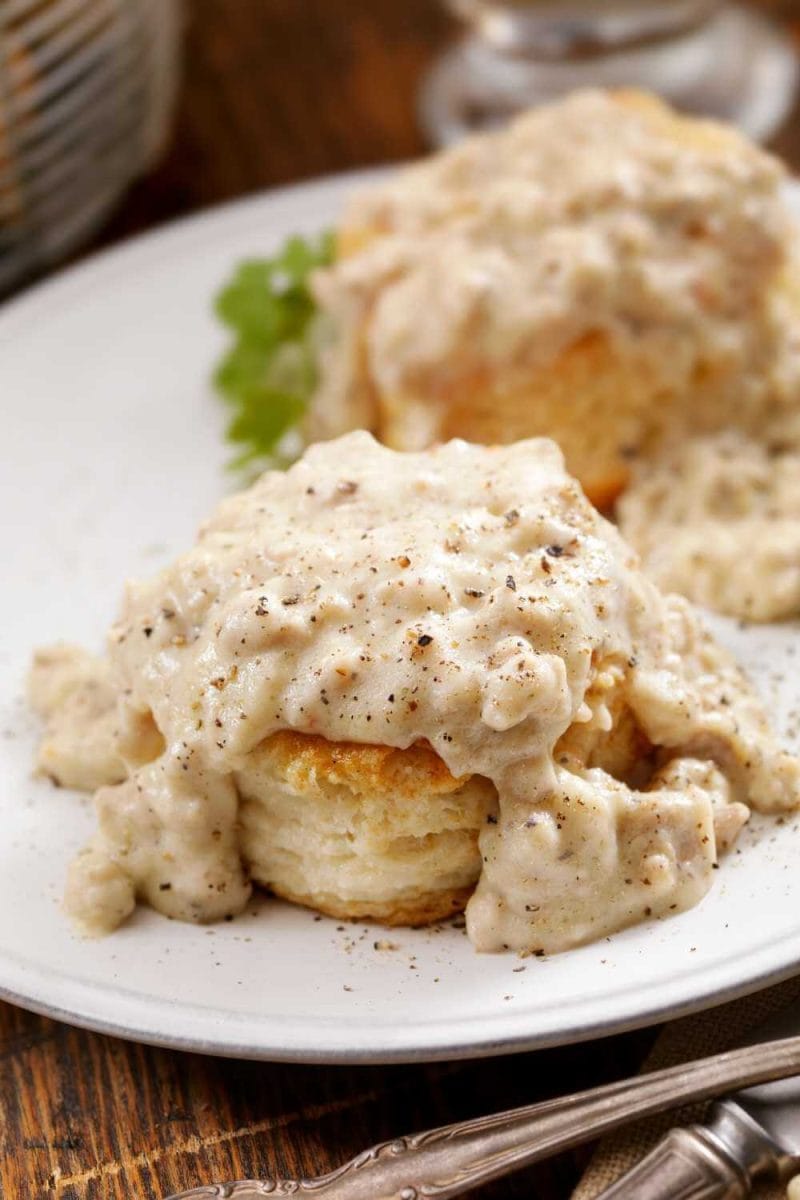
{"x":717,"y":518}
{"x":465,"y":599}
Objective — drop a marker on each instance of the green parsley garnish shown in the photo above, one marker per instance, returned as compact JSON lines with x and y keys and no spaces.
{"x":268,"y":375}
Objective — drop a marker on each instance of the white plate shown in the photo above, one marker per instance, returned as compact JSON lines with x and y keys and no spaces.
{"x":111,"y":455}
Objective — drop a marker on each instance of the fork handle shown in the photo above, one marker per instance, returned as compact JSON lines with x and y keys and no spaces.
{"x":685,"y":1165}
{"x":715,"y":1161}
{"x":446,"y":1162}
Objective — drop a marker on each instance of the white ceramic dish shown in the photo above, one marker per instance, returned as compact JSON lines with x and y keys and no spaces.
{"x":111,"y":455}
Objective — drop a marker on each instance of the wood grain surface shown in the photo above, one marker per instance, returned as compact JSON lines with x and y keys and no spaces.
{"x":274,"y":90}
{"x":92,"y":1118}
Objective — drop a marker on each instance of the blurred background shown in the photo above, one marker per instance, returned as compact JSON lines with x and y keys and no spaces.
{"x":116,"y":115}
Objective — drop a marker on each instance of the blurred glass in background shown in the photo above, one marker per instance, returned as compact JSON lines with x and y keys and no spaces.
{"x":705,"y":56}
{"x":86,"y":91}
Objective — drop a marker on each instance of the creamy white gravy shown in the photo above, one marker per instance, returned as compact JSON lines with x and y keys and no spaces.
{"x":582,"y":216}
{"x":468,"y":596}
{"x":585,"y":216}
{"x":718,"y":519}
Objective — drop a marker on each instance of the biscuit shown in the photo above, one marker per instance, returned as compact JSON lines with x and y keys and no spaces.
{"x":359,"y":831}
{"x":618,"y":387}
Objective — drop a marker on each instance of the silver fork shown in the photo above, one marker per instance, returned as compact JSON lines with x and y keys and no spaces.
{"x":455,"y":1158}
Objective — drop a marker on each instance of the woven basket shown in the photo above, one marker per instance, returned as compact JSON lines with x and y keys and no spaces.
{"x":86,"y":92}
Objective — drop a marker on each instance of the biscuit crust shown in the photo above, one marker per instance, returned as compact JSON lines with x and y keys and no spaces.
{"x":362,"y":832}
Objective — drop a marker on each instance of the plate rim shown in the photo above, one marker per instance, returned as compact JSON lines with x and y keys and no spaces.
{"x":177,"y":229}
{"x":439,"y":1050}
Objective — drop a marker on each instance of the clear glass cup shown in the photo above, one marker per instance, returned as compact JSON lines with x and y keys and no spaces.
{"x":722,"y":60}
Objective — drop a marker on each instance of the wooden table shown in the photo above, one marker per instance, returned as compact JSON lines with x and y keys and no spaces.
{"x":275,"y":90}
